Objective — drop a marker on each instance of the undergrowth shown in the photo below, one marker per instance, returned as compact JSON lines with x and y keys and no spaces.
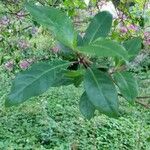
{"x":53,"y":121}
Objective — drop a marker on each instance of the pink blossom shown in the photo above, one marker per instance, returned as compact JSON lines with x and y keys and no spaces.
{"x":55,"y":49}
{"x":4,"y":20}
{"x":23,"y":44}
{"x":122,"y":16}
{"x":146,"y":34}
{"x":147,"y":42}
{"x":24,"y":64}
{"x":123,"y":29}
{"x":133,"y":27}
{"x":20,"y":15}
{"x":9,"y":65}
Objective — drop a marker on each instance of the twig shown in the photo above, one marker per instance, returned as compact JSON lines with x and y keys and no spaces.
{"x":143,"y":104}
{"x":139,"y":102}
{"x":25,"y":28}
{"x":144,"y":97}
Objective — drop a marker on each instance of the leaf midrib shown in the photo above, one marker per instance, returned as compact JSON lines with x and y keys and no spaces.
{"x":102,"y":21}
{"x":103,"y":47}
{"x":107,"y":101}
{"x":126,"y":84}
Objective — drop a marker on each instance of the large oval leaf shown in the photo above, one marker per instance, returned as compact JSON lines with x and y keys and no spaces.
{"x":101,"y":92}
{"x":56,"y":21}
{"x":36,"y":80}
{"x":86,"y":107}
{"x":133,"y":46}
{"x":99,"y":27}
{"x":106,"y":48}
{"x":127,"y":85}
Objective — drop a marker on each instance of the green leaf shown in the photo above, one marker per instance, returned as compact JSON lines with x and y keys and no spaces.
{"x":67,"y":52}
{"x":133,"y":46}
{"x":127,"y":85}
{"x":36,"y":80}
{"x":106,"y":48}
{"x":55,"y":20}
{"x":86,"y":107}
{"x":101,"y":92}
{"x":99,"y":27}
{"x":79,"y":40}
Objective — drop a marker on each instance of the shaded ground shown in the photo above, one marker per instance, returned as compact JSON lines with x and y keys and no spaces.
{"x":53,"y":121}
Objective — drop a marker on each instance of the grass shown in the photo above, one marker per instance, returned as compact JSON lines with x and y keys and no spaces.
{"x":52,"y":121}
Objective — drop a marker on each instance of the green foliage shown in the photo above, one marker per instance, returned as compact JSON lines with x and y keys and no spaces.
{"x":86,"y":107}
{"x":100,"y":26}
{"x":36,"y":80}
{"x":101,"y":92}
{"x":53,"y":121}
{"x":127,"y":85}
{"x":133,"y":46}
{"x":78,"y":65}
{"x":56,"y":21}
{"x":105,"y":48}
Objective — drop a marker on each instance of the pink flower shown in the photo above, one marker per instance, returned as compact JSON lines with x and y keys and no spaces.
{"x":147,"y":42}
{"x":122,"y":16}
{"x":24,"y":64}
{"x":4,"y":20}
{"x":20,"y":15}
{"x":23,"y":44}
{"x":55,"y":49}
{"x":146,"y":34}
{"x":123,"y":29}
{"x":9,"y":65}
{"x":133,"y":27}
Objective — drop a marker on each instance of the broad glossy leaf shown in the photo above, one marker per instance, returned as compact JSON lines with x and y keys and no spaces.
{"x":133,"y":46}
{"x":101,"y":92}
{"x":36,"y":80}
{"x":106,"y":48}
{"x":127,"y":85}
{"x":55,"y":20}
{"x":79,"y":40}
{"x":86,"y":107}
{"x":99,"y":27}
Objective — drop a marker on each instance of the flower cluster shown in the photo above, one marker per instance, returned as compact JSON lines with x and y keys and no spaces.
{"x":4,"y":21}
{"x":24,"y":64}
{"x":9,"y":65}
{"x":121,"y":15}
{"x":20,"y":15}
{"x":131,"y":27}
{"x":55,"y":49}
{"x":23,"y":44}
